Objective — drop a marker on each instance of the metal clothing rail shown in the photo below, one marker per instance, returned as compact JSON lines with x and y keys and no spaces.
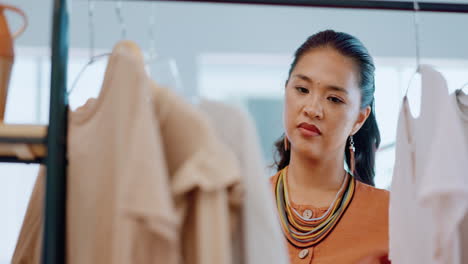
{"x":54,"y":227}
{"x":54,"y":230}
{"x":353,"y":4}
{"x":54,"y":139}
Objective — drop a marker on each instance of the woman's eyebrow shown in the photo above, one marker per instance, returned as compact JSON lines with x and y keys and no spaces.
{"x":330,"y":87}
{"x":303,"y":77}
{"x":337,"y":88}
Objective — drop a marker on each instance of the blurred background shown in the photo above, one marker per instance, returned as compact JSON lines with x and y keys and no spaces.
{"x":236,"y":54}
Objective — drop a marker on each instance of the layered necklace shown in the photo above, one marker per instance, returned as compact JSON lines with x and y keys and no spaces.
{"x":303,"y":232}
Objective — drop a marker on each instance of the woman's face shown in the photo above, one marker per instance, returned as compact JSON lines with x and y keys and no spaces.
{"x":322,"y":103}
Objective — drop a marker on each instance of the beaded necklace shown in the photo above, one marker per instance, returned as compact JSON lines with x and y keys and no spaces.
{"x":303,"y":232}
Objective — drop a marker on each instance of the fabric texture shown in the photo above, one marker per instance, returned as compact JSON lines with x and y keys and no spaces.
{"x":447,"y":196}
{"x":148,"y":181}
{"x":259,"y":239}
{"x":429,"y":194}
{"x":204,"y":174}
{"x":29,"y":244}
{"x":119,"y":205}
{"x":361,"y":232}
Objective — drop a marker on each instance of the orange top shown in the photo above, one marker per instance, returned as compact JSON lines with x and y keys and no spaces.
{"x":361,"y":232}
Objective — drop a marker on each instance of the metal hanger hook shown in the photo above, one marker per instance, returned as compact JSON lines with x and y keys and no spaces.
{"x":152,"y":36}
{"x":417,"y":23}
{"x":91,"y":25}
{"x":120,"y":18}
{"x":417,"y":40}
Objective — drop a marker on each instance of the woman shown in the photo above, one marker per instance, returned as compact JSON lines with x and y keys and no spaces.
{"x":330,"y":215}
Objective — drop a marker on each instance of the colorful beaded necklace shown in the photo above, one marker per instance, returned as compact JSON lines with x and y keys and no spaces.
{"x":303,"y":232}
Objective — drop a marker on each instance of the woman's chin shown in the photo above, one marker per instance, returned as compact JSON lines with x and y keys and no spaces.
{"x":309,"y":151}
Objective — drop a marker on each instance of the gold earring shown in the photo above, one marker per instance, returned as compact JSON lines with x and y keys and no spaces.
{"x":286,"y":143}
{"x":352,"y":151}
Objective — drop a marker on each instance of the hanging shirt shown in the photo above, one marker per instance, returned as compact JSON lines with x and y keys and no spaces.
{"x":429,"y":187}
{"x":448,"y":157}
{"x":119,"y":204}
{"x":148,"y":181}
{"x":259,"y":233}
{"x":362,"y":231}
{"x":29,"y":244}
{"x":447,"y":196}
{"x":203,"y":171}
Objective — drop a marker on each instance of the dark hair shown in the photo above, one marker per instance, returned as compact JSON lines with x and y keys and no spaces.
{"x":367,"y":139}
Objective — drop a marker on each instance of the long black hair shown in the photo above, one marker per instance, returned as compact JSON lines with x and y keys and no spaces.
{"x":367,"y":139}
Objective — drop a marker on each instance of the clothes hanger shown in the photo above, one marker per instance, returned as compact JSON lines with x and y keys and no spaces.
{"x":418,"y":67}
{"x":120,"y":18}
{"x":417,"y":40}
{"x":163,"y":69}
{"x":94,"y":58}
{"x":152,"y":56}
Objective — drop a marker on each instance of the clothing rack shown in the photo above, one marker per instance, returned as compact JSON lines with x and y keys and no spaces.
{"x":353,"y":4}
{"x":55,"y":160}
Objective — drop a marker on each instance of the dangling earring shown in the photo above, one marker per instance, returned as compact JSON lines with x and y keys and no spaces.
{"x":352,"y":150}
{"x":286,"y":143}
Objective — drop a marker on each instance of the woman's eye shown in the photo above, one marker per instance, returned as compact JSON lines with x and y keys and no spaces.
{"x":335,"y":100}
{"x":302,"y":89}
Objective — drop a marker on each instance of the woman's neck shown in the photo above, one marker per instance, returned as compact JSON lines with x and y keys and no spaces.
{"x":321,"y":175}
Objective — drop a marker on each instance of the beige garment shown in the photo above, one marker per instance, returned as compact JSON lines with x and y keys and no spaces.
{"x":29,"y":244}
{"x":119,"y":204}
{"x":203,"y":172}
{"x":123,"y":207}
{"x":259,"y":238}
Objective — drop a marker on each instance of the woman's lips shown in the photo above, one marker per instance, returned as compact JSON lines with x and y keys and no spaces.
{"x":309,"y":130}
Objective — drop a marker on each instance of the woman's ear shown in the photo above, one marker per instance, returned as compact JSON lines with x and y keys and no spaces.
{"x":362,"y":117}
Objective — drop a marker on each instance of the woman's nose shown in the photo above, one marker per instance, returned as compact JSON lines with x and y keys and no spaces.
{"x":314,"y":111}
